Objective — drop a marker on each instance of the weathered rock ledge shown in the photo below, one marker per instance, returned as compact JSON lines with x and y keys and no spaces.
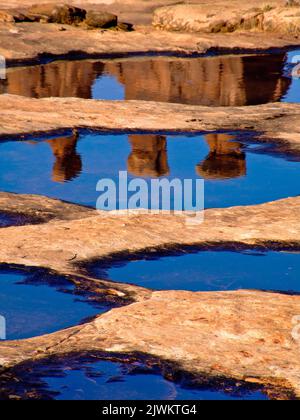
{"x":41,"y":209}
{"x":229,"y":17}
{"x":31,"y":42}
{"x":21,"y":115}
{"x":63,"y":245}
{"x":193,"y":331}
{"x":243,"y":335}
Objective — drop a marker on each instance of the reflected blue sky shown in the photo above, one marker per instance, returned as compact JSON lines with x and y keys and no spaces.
{"x":210,"y":271}
{"x":62,"y":169}
{"x":105,"y":380}
{"x":37,"y":304}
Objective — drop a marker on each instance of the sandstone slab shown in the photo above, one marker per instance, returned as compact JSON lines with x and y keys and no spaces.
{"x":65,"y":245}
{"x":244,"y":336}
{"x":201,"y":18}
{"x":277,"y":122}
{"x":101,"y":19}
{"x":229,"y":17}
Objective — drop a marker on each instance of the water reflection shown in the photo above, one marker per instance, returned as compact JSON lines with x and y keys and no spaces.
{"x":213,"y":81}
{"x":226,"y":158}
{"x":213,"y":270}
{"x":148,"y":157}
{"x":90,"y":378}
{"x":35,"y":302}
{"x":238,"y":170}
{"x":68,"y":164}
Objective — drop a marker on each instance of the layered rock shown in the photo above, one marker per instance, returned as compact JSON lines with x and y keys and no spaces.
{"x":201,"y":18}
{"x":101,"y":19}
{"x":229,"y":18}
{"x":244,"y":336}
{"x":22,"y":115}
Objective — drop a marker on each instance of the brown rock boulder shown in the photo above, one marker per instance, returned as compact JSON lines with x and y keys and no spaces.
{"x":6,"y":17}
{"x":61,"y":13}
{"x":101,"y":19}
{"x":12,"y":16}
{"x":68,"y":14}
{"x":200,"y":18}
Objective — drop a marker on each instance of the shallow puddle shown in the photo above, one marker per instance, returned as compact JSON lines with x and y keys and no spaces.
{"x":105,"y":380}
{"x":36,"y":303}
{"x":8,"y":219}
{"x":236,"y":169}
{"x":207,"y":271}
{"x":231,"y":80}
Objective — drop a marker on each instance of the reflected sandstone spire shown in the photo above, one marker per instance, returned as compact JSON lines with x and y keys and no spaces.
{"x":226,"y":158}
{"x":68,"y":163}
{"x":148,"y":157}
{"x":211,"y":81}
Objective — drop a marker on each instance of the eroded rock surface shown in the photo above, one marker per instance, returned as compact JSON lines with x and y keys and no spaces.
{"x":42,"y":209}
{"x":20,"y":115}
{"x":29,"y":41}
{"x":62,"y":245}
{"x":242,"y":335}
{"x":229,"y":17}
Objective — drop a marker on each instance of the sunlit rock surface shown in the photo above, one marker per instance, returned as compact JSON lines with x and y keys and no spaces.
{"x":243,"y":335}
{"x":228,"y":17}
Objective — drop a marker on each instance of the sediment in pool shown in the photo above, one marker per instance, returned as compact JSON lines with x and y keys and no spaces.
{"x":34,"y":302}
{"x":96,"y":377}
{"x":15,"y":219}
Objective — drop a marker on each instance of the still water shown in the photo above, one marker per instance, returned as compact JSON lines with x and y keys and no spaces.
{"x":13,"y":220}
{"x":232,"y":80}
{"x":236,"y":169}
{"x":35,"y":303}
{"x":207,"y":271}
{"x":106,"y":380}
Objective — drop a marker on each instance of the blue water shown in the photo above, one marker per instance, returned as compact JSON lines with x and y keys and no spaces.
{"x":37,"y":303}
{"x":241,"y":176}
{"x":226,"y":80}
{"x":105,"y":380}
{"x":12,"y":220}
{"x":209,"y":271}
{"x":293,"y":92}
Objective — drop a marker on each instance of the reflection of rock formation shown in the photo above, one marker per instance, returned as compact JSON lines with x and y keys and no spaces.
{"x":68,"y":163}
{"x":213,"y":81}
{"x":226,"y":158}
{"x":148,"y":156}
{"x":61,"y":78}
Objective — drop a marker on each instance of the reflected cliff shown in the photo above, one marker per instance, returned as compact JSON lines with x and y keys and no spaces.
{"x":68,"y":164}
{"x":226,"y":158}
{"x":211,"y":81}
{"x":67,"y":161}
{"x":148,"y":157}
{"x":238,"y":169}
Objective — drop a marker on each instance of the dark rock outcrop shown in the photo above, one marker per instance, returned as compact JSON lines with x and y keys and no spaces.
{"x":101,"y":19}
